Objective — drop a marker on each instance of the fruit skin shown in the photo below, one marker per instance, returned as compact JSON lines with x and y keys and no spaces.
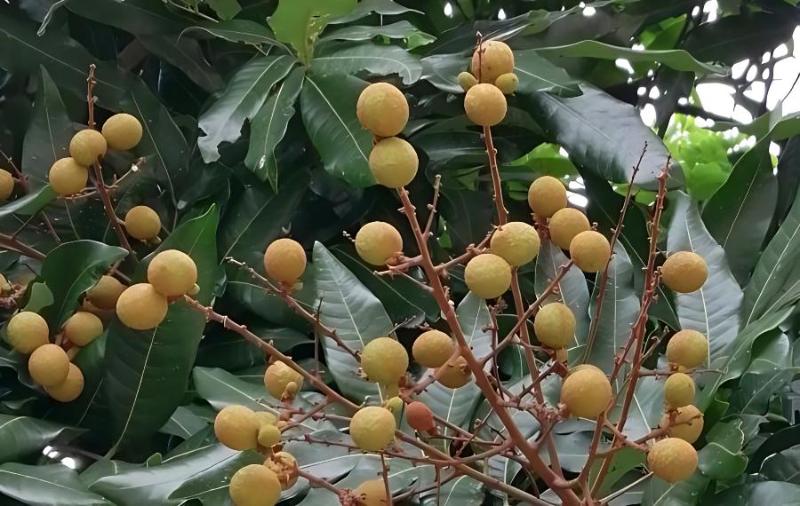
{"x":516,"y":242}
{"x":507,"y":83}
{"x":546,"y":195}
{"x":455,"y":373}
{"x":285,"y":260}
{"x":382,"y":109}
{"x":237,"y":427}
{"x":432,"y":348}
{"x":172,"y":273}
{"x":672,"y":459}
{"x":122,"y":131}
{"x":687,"y":348}
{"x":141,"y":307}
{"x":565,"y":224}
{"x":255,"y":485}
{"x":590,"y":251}
{"x":395,"y":405}
{"x":70,"y":389}
{"x":82,"y":328}
{"x":268,"y":435}
{"x":485,"y":105}
{"x":27,"y":331}
{"x":372,"y":493}
{"x":284,"y":465}
{"x":679,"y":390}
{"x":377,"y":242}
{"x":266,"y":418}
{"x":420,"y":417}
{"x":87,"y":146}
{"x":554,"y":325}
{"x":106,"y":292}
{"x":688,"y":424}
{"x":48,"y":365}
{"x":6,"y":184}
{"x":67,"y":177}
{"x":393,"y":162}
{"x":495,"y":60}
{"x":384,"y":360}
{"x":487,"y":276}
{"x":684,"y":272}
{"x":466,"y":80}
{"x":143,"y":223}
{"x":278,"y":376}
{"x":372,"y":428}
{"x":586,"y":392}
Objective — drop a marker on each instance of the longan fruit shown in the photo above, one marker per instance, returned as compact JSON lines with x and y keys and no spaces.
{"x":268,"y":435}
{"x":27,"y":331}
{"x":143,"y":223}
{"x":590,"y":251}
{"x":565,"y":224}
{"x":237,"y":427}
{"x":684,"y":272}
{"x":285,"y":260}
{"x":372,"y":428}
{"x":420,"y":417}
{"x":679,"y":390}
{"x":507,"y":83}
{"x":284,"y":465}
{"x":141,"y":307}
{"x":687,"y":348}
{"x":586,"y":393}
{"x":546,"y":195}
{"x":6,"y":184}
{"x":554,"y":325}
{"x":70,"y":389}
{"x":384,"y":360}
{"x":395,"y":404}
{"x":393,"y":162}
{"x":516,"y":242}
{"x":485,"y":105}
{"x":432,"y":348}
{"x":688,"y":424}
{"x":172,"y":273}
{"x":672,"y":459}
{"x":122,"y":131}
{"x":491,"y":60}
{"x":455,"y":373}
{"x":487,"y":275}
{"x":87,"y":146}
{"x":372,"y":493}
{"x":105,"y":293}
{"x":67,"y":177}
{"x":382,"y":109}
{"x":255,"y":485}
{"x":378,"y":242}
{"x":278,"y":376}
{"x":48,"y":365}
{"x":466,"y":80}
{"x":82,"y":328}
{"x":266,"y":418}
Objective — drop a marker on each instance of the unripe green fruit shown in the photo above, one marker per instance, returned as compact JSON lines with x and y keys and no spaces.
{"x":372,"y":493}
{"x":284,"y":465}
{"x":384,"y":360}
{"x":285,"y":261}
{"x":688,"y":424}
{"x":278,"y":377}
{"x":143,"y":223}
{"x":6,"y":184}
{"x":393,"y":162}
{"x":122,"y":131}
{"x":679,"y":390}
{"x":269,"y":435}
{"x":507,"y":83}
{"x":70,"y":389}
{"x":377,"y":243}
{"x":172,"y":273}
{"x":67,"y":177}
{"x":672,"y":459}
{"x":590,"y":251}
{"x":487,"y":276}
{"x":554,"y":325}
{"x":382,"y":109}
{"x":395,"y":404}
{"x":687,"y":348}
{"x":565,"y":224}
{"x":432,"y":348}
{"x":546,"y":195}
{"x":255,"y":485}
{"x":141,"y":307}
{"x":27,"y":331}
{"x":516,"y":242}
{"x":82,"y":328}
{"x":491,"y":60}
{"x":466,"y":80}
{"x":684,"y":272}
{"x":48,"y":365}
{"x":485,"y":105}
{"x":87,"y":146}
{"x":372,"y":428}
{"x":586,"y":393}
{"x":106,"y":292}
{"x":237,"y":427}
{"x":455,"y":373}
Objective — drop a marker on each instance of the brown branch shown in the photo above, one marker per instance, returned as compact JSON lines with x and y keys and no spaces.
{"x":15,"y":244}
{"x":432,"y":206}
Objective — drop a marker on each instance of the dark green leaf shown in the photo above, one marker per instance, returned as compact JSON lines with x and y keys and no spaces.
{"x":39,"y":297}
{"x":463,"y":491}
{"x":46,"y":485}
{"x":374,"y":59}
{"x":537,"y":73}
{"x":722,"y":457}
{"x":184,"y":423}
{"x":140,"y":17}
{"x":89,"y":410}
{"x":783,"y":466}
{"x":367,"y":7}
{"x":734,"y":38}
{"x":399,"y":30}
{"x":238,"y":30}
{"x":186,"y":54}
{"x":299,"y":22}
{"x":225,"y":9}
{"x":767,"y":375}
{"x":31,"y":203}
{"x":21,"y":436}
{"x":765,"y":492}
{"x":468,"y":215}
{"x":48,"y":135}
{"x":441,"y":70}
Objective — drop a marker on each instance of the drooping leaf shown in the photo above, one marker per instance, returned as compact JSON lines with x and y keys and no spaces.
{"x":30,"y":204}
{"x":299,"y":22}
{"x":237,"y":30}
{"x":139,"y":17}
{"x":187,"y":55}
{"x":21,"y":436}
{"x":768,"y":373}
{"x":46,"y":485}
{"x":375,"y":59}
{"x":48,"y":135}
{"x":399,"y":30}
{"x":184,"y":423}
{"x":537,"y":73}
{"x":225,"y":9}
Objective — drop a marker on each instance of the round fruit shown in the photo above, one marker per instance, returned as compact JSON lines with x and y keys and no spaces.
{"x":27,"y":331}
{"x":172,"y":273}
{"x":143,"y":223}
{"x":122,"y":131}
{"x":382,"y":109}
{"x":48,"y":365}
{"x":285,"y":260}
{"x":6,"y":184}
{"x":672,"y":459}
{"x":586,"y":393}
{"x":507,"y":83}
{"x":384,"y":360}
{"x":684,"y":272}
{"x":87,"y":146}
{"x":466,"y":80}
{"x":284,"y":465}
{"x":372,"y":428}
{"x":688,"y":423}
{"x":372,"y":493}
{"x":590,"y":251}
{"x":393,"y":162}
{"x":82,"y":328}
{"x":278,"y":376}
{"x":554,"y":325}
{"x":269,"y":435}
{"x":679,"y":390}
{"x":420,"y":417}
{"x":141,"y":307}
{"x":70,"y":389}
{"x":488,"y":276}
{"x":516,"y":242}
{"x":378,"y":242}
{"x":266,"y":418}
{"x":455,"y":373}
{"x":255,"y":485}
{"x":395,"y":404}
{"x":237,"y":427}
{"x":491,"y":60}
{"x":546,"y":195}
{"x":106,"y":292}
{"x":687,"y":348}
{"x":565,"y":224}
{"x":485,"y":105}
{"x":67,"y":177}
{"x":432,"y":348}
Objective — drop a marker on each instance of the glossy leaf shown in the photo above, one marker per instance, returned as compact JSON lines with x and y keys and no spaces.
{"x":399,"y":30}
{"x":765,"y":492}
{"x":22,"y":436}
{"x":225,"y":9}
{"x":299,"y":22}
{"x":48,"y":135}
{"x":375,"y":59}
{"x":769,"y":372}
{"x":90,"y":409}
{"x":463,"y":491}
{"x":537,"y":73}
{"x":184,"y":423}
{"x":187,"y":55}
{"x":139,"y":17}
{"x":46,"y":485}
{"x":783,"y":466}
{"x":237,"y":30}
{"x":366,"y":7}
{"x":29,"y":204}
{"x":722,"y":458}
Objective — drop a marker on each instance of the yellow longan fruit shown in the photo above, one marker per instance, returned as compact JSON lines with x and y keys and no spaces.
{"x":466,"y":80}
{"x":684,"y":272}
{"x":82,"y":328}
{"x":378,"y":242}
{"x":382,"y":109}
{"x":590,"y":251}
{"x":269,"y":435}
{"x":455,"y":373}
{"x":554,"y":325}
{"x":395,"y":404}
{"x":495,"y":59}
{"x":372,"y":493}
{"x":688,"y":424}
{"x":565,"y":224}
{"x":141,"y":307}
{"x":372,"y":428}
{"x":485,"y":105}
{"x":48,"y":365}
{"x":237,"y":427}
{"x":687,"y":348}
{"x":255,"y":485}
{"x":516,"y":242}
{"x":487,"y":276}
{"x":672,"y":459}
{"x":172,"y":273}
{"x":384,"y":360}
{"x":266,"y":418}
{"x":546,"y":195}
{"x":122,"y":131}
{"x":67,"y":177}
{"x":105,"y":293}
{"x":143,"y":223}
{"x":6,"y":184}
{"x":284,"y":465}
{"x":432,"y":348}
{"x":393,"y":162}
{"x":507,"y":83}
{"x":285,"y":260}
{"x":679,"y":390}
{"x":70,"y":389}
{"x":27,"y":331}
{"x":586,"y":392}
{"x":87,"y":146}
{"x":278,"y":376}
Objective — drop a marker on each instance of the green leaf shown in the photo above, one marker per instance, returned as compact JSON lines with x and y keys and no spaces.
{"x":31,"y":203}
{"x":184,"y":423}
{"x":21,"y":436}
{"x":783,"y":466}
{"x":46,"y":485}
{"x":399,"y":30}
{"x":39,"y":297}
{"x":658,"y":492}
{"x":299,"y":22}
{"x":765,"y":492}
{"x":463,"y":491}
{"x":537,"y":73}
{"x":238,"y":30}
{"x":722,"y":457}
{"x":89,"y":410}
{"x":468,"y":215}
{"x":225,"y":9}
{"x":187,"y":55}
{"x":366,"y":7}
{"x":48,"y":135}
{"x":375,"y":59}
{"x":767,"y":375}
{"x":139,"y":17}
{"x":441,"y":70}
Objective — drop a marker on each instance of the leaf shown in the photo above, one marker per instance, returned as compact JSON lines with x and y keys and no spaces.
{"x":187,"y":55}
{"x":399,"y":30}
{"x":769,"y":372}
{"x":441,"y":70}
{"x":39,"y":297}
{"x":139,"y":17}
{"x":22,"y":435}
{"x":299,"y":22}
{"x":722,"y":457}
{"x":30,"y":204}
{"x":46,"y":485}
{"x":375,"y":59}
{"x":783,"y":466}
{"x":184,"y":423}
{"x":366,"y":7}
{"x":237,"y":30}
{"x":225,"y":9}
{"x":48,"y":135}
{"x":463,"y":491}
{"x":765,"y":492}
{"x":89,"y":410}
{"x":468,"y":215}
{"x":536,"y":73}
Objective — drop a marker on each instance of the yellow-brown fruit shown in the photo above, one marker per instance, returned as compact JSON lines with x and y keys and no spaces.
{"x":678,"y":390}
{"x":485,"y":105}
{"x":5,"y":286}
{"x":255,"y":485}
{"x":432,"y":348}
{"x":268,"y":435}
{"x":672,"y":459}
{"x":420,"y":417}
{"x":106,"y":292}
{"x":455,"y":373}
{"x":516,"y":242}
{"x":393,"y":162}
{"x":384,"y":360}
{"x":688,"y":424}
{"x":87,"y":146}
{"x":6,"y":184}
{"x":67,"y":177}
{"x":278,"y":376}
{"x":172,"y":273}
{"x":82,"y":328}
{"x":372,"y":428}
{"x":122,"y":131}
{"x":687,"y":348}
{"x":372,"y":493}
{"x":590,"y":251}
{"x":284,"y":465}
{"x":382,"y":109}
{"x":266,"y":418}
{"x":586,"y":392}
{"x":466,"y":80}
{"x":554,"y":325}
{"x":48,"y":365}
{"x":491,"y":60}
{"x":27,"y":331}
{"x":487,"y":276}
{"x":507,"y":83}
{"x":377,"y":243}
{"x":581,"y":367}
{"x":395,"y":405}
{"x":285,"y":260}
{"x":69,"y":389}
{"x":565,"y":224}
{"x":684,"y":272}
{"x":546,"y":195}
{"x":143,"y":223}
{"x":141,"y":307}
{"x":237,"y":427}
